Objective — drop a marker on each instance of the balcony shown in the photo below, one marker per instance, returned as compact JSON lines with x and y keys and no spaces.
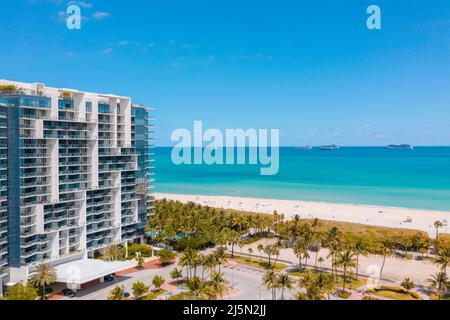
{"x":104,"y":108}
{"x":65,"y":104}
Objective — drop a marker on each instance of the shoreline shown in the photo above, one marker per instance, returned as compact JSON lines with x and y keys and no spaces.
{"x":381,"y":216}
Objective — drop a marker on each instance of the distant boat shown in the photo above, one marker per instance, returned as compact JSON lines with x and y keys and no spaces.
{"x":304,"y":148}
{"x":330,"y":147}
{"x":400,"y":146}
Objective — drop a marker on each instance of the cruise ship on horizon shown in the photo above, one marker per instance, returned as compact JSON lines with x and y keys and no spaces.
{"x":303,"y":148}
{"x":400,"y":146}
{"x":329,"y":147}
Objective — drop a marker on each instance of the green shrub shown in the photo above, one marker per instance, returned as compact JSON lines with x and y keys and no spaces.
{"x":166,"y":256}
{"x":145,"y":250}
{"x":344,"y":294}
{"x":189,"y":242}
{"x":158,"y":282}
{"x":22,"y":291}
{"x":8,"y":87}
{"x":139,"y":288}
{"x":153,"y":295}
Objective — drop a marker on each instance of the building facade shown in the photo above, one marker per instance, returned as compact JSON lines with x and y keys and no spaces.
{"x":75,"y":175}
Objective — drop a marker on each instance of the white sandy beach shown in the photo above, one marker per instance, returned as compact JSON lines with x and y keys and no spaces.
{"x":370,"y":215}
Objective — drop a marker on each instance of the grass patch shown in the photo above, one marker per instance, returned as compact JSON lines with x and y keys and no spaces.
{"x":343,"y":294}
{"x":183,"y":296}
{"x":350,"y":282}
{"x":152,"y":295}
{"x":395,"y":293}
{"x":434,"y":296}
{"x":370,"y":298}
{"x":445,"y":237}
{"x":259,"y":264}
{"x":258,"y":236}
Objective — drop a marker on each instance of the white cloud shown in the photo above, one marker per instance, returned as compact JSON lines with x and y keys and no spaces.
{"x":81,"y":4}
{"x":100,"y":15}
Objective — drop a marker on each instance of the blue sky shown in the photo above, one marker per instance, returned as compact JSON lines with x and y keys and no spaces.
{"x":310,"y":68}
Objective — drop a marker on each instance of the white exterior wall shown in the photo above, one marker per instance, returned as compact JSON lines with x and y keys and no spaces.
{"x":54,"y":171}
{"x":127,"y":106}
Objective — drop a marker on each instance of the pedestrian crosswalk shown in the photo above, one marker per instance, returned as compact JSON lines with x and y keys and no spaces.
{"x":246,"y":269}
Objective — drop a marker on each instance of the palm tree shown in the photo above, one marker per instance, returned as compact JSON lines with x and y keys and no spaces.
{"x":443,"y":259}
{"x":301,"y":251}
{"x":220,"y":257}
{"x":250,"y":251}
{"x":209,"y":292}
{"x":386,"y":249}
{"x":276,"y":252}
{"x":241,"y":245}
{"x":332,"y":238}
{"x":200,"y":262}
{"x":233,"y":240}
{"x":176,"y":274}
{"x":346,"y":260}
{"x":320,"y":261}
{"x":334,"y":249}
{"x":317,"y":285}
{"x":112,"y":253}
{"x":189,"y":259}
{"x":360,"y":249}
{"x":157,"y":282}
{"x":437,"y":225}
{"x":441,"y":283}
{"x":260,"y":249}
{"x":209,"y":264}
{"x":301,"y":296}
{"x":270,"y":282}
{"x":316,"y":224}
{"x":284,"y":282}
{"x":45,"y":276}
{"x":218,"y":283}
{"x":223,"y":237}
{"x":118,"y":293}
{"x":324,"y":283}
{"x":407,"y":284}
{"x":139,"y":288}
{"x":269,"y":251}
{"x":196,"y":286}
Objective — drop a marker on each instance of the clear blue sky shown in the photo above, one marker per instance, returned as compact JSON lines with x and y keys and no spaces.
{"x":310,"y":68}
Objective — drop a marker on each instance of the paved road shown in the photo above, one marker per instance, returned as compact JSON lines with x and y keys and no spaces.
{"x":101,"y":291}
{"x":246,"y":281}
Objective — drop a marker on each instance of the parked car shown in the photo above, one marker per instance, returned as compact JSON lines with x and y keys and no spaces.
{"x":110,"y":277}
{"x":69,"y":293}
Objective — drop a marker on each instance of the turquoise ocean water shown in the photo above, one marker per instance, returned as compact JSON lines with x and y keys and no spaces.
{"x":417,"y":178}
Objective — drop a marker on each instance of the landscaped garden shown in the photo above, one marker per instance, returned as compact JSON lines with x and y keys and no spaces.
{"x":257,"y":263}
{"x":394,"y":293}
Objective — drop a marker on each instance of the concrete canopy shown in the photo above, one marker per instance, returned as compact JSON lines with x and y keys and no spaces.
{"x":82,"y":271}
